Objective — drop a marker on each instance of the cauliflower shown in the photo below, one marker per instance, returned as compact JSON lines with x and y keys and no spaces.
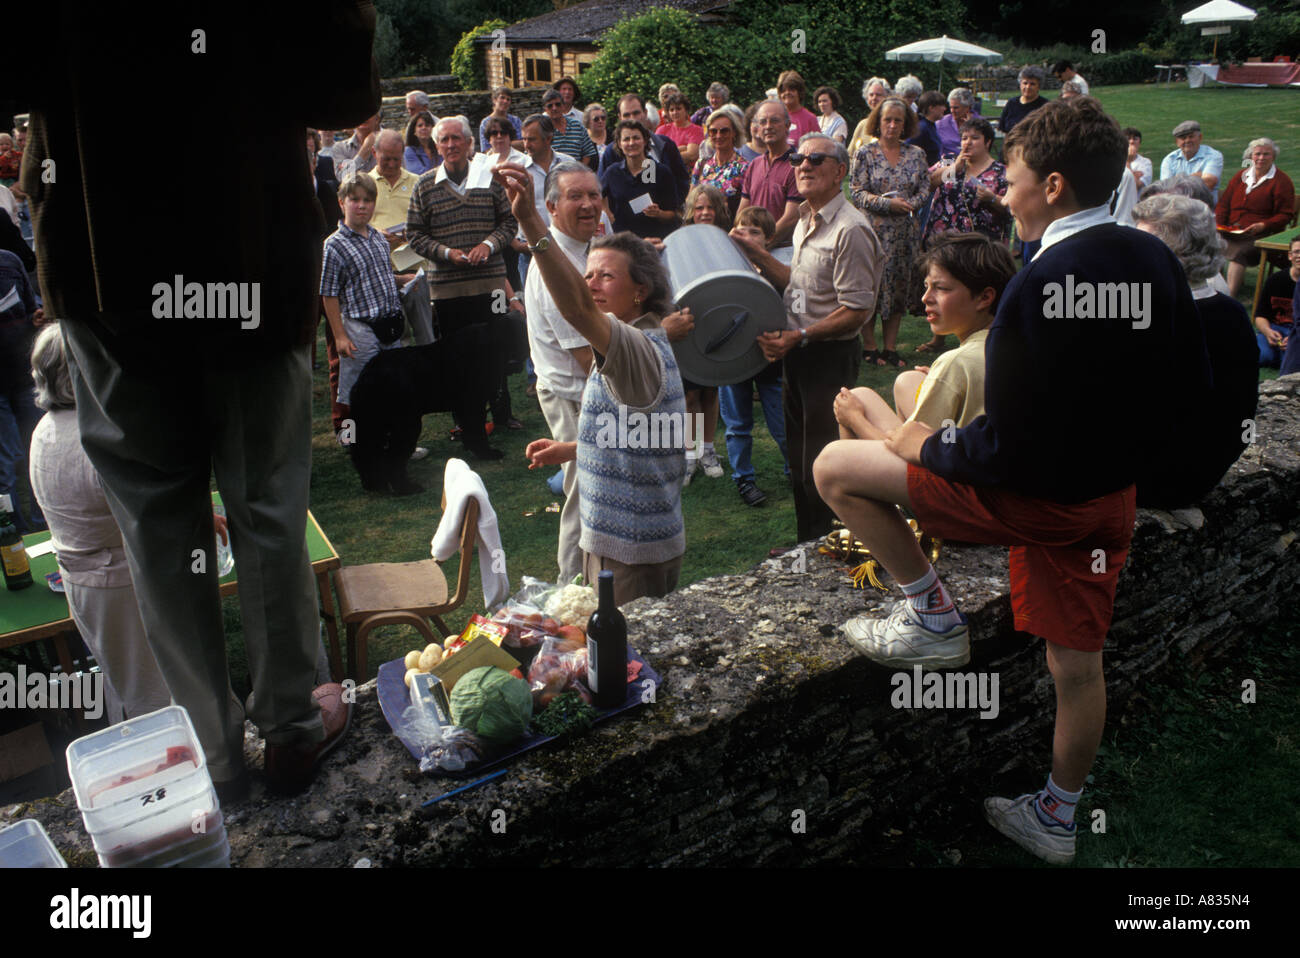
{"x":572,"y":604}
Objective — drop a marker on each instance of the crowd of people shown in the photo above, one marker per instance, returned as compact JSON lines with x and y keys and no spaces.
{"x":556,"y":220}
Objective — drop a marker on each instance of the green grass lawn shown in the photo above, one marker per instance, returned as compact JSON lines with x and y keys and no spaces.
{"x":724,"y":536}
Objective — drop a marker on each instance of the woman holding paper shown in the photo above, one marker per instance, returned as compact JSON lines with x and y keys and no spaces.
{"x":640,"y":194}
{"x":1258,"y":201}
{"x":630,"y":489}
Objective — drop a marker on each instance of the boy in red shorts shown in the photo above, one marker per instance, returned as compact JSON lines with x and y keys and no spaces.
{"x":1053,"y":466}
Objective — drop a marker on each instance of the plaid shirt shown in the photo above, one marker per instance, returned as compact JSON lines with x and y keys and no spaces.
{"x":357,"y":271}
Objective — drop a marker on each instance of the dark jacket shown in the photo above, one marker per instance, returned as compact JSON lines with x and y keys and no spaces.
{"x":113,"y":234}
{"x":1079,"y":407}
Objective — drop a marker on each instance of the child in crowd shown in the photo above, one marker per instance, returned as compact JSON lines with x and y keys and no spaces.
{"x":1054,"y":465}
{"x":736,"y":402}
{"x":1274,"y":321}
{"x":357,"y":285}
{"x":965,"y":276}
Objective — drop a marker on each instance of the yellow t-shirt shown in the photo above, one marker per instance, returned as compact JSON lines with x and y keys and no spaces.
{"x":954,"y":386}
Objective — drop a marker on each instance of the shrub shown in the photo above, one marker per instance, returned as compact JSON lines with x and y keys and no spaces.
{"x":467,"y":61}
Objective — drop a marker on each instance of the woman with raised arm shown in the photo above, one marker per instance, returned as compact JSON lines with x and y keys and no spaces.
{"x":630,"y":485}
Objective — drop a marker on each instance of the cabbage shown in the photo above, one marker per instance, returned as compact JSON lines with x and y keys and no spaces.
{"x":493,"y":704}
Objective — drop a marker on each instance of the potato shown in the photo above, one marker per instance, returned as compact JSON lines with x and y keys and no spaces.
{"x":413,"y":659}
{"x":410,"y":674}
{"x":430,"y":657}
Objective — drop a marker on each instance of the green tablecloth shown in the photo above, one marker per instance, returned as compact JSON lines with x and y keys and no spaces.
{"x":37,"y":605}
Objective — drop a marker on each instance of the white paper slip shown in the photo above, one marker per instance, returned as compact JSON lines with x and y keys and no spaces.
{"x":406,"y":259}
{"x":480,"y":173}
{"x":43,"y":549}
{"x":639,"y":203}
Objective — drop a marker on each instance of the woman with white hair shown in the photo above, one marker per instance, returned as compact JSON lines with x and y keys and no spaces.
{"x":1258,"y":201}
{"x":909,"y":88}
{"x":874,"y":92}
{"x":961,"y":107}
{"x":88,"y":543}
{"x":1187,"y":227}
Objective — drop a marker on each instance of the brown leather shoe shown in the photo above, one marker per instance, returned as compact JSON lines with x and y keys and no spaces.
{"x":290,"y":768}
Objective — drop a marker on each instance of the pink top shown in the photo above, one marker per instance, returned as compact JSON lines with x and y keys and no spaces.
{"x":801,"y":122}
{"x":681,"y":135}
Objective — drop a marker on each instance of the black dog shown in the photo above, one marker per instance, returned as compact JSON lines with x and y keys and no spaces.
{"x":460,"y":373}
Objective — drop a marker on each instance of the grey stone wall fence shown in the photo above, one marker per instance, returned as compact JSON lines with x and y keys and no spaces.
{"x":766,"y":717}
{"x":474,"y":104}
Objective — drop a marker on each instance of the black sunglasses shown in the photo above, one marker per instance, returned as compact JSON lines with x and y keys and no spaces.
{"x":816,"y":159}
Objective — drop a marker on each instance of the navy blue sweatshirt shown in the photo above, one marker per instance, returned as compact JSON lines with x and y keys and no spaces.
{"x":1076,"y":408}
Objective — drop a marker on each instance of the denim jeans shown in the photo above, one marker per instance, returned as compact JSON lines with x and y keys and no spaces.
{"x":737,"y":408}
{"x":1270,"y":355}
{"x":19,"y":415}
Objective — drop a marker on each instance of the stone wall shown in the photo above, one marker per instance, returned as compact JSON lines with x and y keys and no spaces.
{"x":474,"y":104}
{"x":436,"y":83}
{"x":765,"y":712}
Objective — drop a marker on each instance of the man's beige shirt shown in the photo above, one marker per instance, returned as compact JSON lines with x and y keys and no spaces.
{"x":837,"y":261}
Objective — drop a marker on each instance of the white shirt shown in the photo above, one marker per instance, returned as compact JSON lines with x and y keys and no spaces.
{"x":1083,"y":84}
{"x":1067,"y":226}
{"x":1249,"y":177}
{"x":1142,"y":165}
{"x":1126,"y":198}
{"x":550,"y":337}
{"x":539,"y":184}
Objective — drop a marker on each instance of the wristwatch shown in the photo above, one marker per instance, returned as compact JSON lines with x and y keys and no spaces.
{"x":541,"y":246}
{"x":803,"y":338}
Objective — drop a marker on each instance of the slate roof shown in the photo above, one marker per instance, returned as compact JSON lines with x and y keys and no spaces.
{"x":585,"y":22}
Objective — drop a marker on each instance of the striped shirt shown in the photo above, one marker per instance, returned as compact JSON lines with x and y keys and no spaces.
{"x":574,"y":141}
{"x":356,"y":270}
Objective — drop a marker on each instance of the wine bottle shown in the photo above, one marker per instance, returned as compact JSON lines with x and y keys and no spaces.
{"x":607,"y":648}
{"x":18,"y":572}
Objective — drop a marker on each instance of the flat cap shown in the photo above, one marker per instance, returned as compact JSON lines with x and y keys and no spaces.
{"x":1187,"y":126}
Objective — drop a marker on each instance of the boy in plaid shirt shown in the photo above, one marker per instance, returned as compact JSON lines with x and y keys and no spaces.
{"x":357,"y":284}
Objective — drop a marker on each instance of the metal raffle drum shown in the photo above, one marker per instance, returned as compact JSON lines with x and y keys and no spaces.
{"x":729,"y":301}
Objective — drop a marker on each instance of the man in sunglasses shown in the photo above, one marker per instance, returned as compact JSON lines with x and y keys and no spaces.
{"x":829,"y":291}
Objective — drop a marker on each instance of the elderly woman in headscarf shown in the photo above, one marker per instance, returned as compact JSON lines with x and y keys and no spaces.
{"x":1187,"y":227}
{"x":961,"y":107}
{"x":874,"y":92}
{"x":1258,"y":201}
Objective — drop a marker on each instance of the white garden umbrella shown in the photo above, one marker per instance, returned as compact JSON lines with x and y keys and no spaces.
{"x":1217,"y":14}
{"x":941,"y":49}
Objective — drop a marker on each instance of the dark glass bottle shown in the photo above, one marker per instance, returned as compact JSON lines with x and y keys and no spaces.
{"x":18,"y":573}
{"x":607,"y":648}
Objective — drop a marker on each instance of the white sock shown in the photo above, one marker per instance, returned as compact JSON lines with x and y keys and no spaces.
{"x":931,"y":603}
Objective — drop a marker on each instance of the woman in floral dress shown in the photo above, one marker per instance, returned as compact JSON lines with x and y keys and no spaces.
{"x":725,"y":168}
{"x":890,"y":181}
{"x":968,"y":196}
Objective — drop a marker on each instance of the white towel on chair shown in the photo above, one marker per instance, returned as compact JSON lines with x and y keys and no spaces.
{"x":460,"y":483}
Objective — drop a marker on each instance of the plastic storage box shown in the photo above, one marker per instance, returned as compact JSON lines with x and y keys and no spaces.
{"x":145,"y":794}
{"x":26,"y":845}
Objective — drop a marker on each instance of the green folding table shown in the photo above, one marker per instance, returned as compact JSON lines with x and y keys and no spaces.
{"x":36,"y":612}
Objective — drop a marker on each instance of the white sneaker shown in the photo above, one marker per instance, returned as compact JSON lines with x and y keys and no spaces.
{"x":902,"y":641}
{"x":420,"y":453}
{"x":709,"y":460}
{"x":692,"y":463}
{"x":1017,"y":819}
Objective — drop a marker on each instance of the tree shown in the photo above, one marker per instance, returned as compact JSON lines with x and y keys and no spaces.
{"x":467,"y":59}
